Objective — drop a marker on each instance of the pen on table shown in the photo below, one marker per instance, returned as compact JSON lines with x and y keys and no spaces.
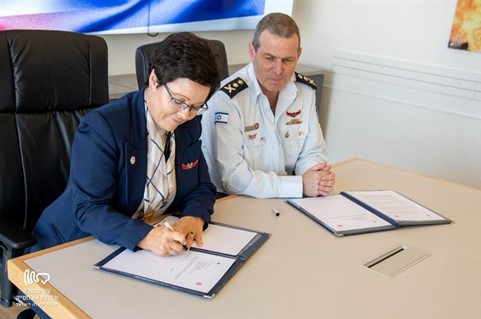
{"x":275,"y":211}
{"x":169,"y":226}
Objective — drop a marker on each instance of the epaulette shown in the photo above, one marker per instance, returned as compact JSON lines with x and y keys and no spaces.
{"x":304,"y":79}
{"x":234,"y":87}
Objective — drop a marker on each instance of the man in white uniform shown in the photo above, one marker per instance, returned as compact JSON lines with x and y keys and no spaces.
{"x":261,"y":135}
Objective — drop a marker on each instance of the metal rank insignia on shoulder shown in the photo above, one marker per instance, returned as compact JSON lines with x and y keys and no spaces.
{"x":233,"y":87}
{"x":305,"y":80}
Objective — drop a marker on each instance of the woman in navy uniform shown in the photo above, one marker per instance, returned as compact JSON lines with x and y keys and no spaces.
{"x":140,"y":156}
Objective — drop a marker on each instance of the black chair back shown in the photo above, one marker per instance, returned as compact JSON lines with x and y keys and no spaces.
{"x":144,"y":52}
{"x":48,"y":81}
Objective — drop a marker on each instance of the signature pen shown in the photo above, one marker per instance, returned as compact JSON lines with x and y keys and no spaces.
{"x":169,"y":226}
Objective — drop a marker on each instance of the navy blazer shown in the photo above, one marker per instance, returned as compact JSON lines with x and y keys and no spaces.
{"x":108,"y":173}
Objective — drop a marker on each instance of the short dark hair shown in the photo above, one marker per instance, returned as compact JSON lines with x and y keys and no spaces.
{"x":276,"y":23}
{"x":185,"y":55}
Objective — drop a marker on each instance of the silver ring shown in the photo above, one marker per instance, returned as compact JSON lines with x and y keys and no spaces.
{"x":172,"y":252}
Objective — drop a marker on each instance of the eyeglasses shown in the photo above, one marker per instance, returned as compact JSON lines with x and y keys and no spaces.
{"x":197,"y":109}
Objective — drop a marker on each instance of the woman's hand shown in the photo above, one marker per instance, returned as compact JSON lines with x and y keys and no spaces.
{"x":163,"y":241}
{"x":169,"y":242}
{"x":192,"y":228}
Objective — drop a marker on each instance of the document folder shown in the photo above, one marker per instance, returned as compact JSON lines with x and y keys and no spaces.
{"x":356,"y":212}
{"x":200,"y":271}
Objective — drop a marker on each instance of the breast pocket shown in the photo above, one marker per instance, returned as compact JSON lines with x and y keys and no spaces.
{"x":188,"y":161}
{"x":255,"y":141}
{"x":293,"y":140}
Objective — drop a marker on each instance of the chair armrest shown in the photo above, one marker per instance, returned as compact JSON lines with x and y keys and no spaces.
{"x":15,"y":237}
{"x":13,"y":240}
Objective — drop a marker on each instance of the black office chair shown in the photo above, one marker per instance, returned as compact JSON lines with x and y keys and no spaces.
{"x":48,"y":81}
{"x":144,"y":52}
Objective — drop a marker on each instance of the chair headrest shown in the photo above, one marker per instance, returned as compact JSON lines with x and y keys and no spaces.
{"x":143,"y":56}
{"x":45,"y":70}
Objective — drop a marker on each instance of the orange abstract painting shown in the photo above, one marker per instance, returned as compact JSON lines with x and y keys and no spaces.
{"x":466,"y":29}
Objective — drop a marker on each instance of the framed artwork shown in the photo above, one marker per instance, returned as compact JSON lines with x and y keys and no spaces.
{"x":466,"y":29}
{"x":137,"y":16}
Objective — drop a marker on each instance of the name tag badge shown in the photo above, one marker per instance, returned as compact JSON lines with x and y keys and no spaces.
{"x":251,"y":127}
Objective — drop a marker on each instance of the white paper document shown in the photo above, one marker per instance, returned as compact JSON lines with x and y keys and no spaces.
{"x":356,"y":212}
{"x":226,"y":240}
{"x":395,"y":206}
{"x":340,"y":214}
{"x":201,"y":270}
{"x":191,"y":270}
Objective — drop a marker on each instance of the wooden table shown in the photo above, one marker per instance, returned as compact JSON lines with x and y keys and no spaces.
{"x":302,"y":271}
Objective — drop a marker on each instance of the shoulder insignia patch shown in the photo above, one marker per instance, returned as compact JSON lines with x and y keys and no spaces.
{"x":234,"y":87}
{"x":304,"y":79}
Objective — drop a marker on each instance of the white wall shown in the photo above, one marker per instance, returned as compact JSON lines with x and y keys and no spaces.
{"x":423,"y":129}
{"x":432,"y":132}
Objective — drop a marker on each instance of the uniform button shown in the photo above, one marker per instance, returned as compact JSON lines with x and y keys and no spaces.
{"x":132,"y":160}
